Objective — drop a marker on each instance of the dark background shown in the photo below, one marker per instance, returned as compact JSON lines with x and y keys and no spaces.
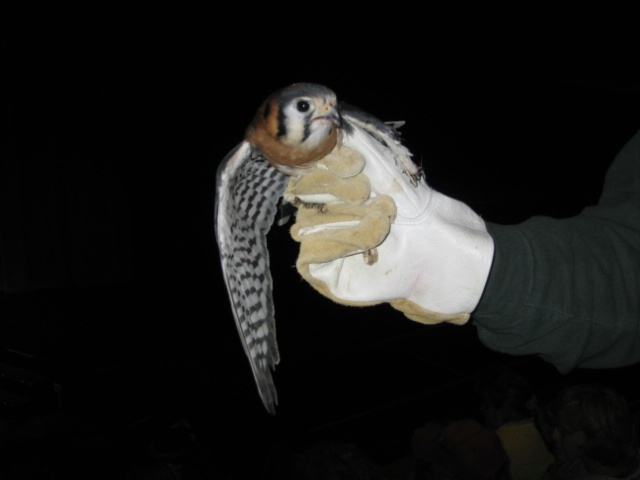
{"x":114,"y":119}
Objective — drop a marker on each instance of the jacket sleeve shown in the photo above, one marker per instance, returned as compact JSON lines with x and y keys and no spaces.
{"x":568,"y":289}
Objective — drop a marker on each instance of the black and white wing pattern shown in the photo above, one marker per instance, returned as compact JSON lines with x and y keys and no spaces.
{"x":248,"y":189}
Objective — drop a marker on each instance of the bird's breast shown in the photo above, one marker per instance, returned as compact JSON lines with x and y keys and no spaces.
{"x":290,"y":158}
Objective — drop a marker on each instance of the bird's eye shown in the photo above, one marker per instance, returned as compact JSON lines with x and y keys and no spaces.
{"x":303,"y":106}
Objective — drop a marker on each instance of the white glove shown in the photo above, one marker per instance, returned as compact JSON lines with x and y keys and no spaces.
{"x":430,"y":258}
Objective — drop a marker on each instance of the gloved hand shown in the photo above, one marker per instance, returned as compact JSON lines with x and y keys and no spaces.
{"x":375,"y":237}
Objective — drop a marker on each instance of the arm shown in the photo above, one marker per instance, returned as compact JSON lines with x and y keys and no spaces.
{"x":568,"y":289}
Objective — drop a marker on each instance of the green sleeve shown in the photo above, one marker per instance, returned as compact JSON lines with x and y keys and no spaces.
{"x":568,"y":290}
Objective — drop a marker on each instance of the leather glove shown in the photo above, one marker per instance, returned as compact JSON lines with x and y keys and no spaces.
{"x":369,"y":234}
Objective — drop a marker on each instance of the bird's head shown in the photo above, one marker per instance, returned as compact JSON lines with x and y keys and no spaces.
{"x":296,"y":126}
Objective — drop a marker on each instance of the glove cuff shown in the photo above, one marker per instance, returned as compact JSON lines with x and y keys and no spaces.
{"x":415,"y":312}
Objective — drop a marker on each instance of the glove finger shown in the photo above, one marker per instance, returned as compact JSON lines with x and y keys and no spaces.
{"x":332,"y":244}
{"x":332,"y":217}
{"x":343,"y":162}
{"x":322,"y":186}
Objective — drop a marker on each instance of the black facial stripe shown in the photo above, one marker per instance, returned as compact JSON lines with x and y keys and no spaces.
{"x":307,"y":129}
{"x":282,"y":128}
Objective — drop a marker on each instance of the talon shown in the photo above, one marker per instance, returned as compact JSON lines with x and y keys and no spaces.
{"x":320,"y":207}
{"x":413,"y":179}
{"x":370,"y":256}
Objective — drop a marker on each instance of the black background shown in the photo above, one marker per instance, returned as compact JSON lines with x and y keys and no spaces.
{"x":116,"y":116}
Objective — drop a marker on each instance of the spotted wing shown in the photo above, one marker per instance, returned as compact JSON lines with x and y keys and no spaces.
{"x":248,"y":190}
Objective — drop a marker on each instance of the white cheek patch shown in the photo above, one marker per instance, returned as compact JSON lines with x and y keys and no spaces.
{"x":320,"y":130}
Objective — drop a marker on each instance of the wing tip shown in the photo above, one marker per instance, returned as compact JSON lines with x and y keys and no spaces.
{"x":269,"y":399}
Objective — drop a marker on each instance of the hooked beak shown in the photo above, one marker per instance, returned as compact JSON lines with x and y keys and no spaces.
{"x":331,"y":114}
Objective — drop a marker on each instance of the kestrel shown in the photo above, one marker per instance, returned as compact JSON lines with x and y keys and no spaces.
{"x":294,"y":128}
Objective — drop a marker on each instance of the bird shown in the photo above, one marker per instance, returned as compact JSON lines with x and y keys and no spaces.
{"x":293,"y":129}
